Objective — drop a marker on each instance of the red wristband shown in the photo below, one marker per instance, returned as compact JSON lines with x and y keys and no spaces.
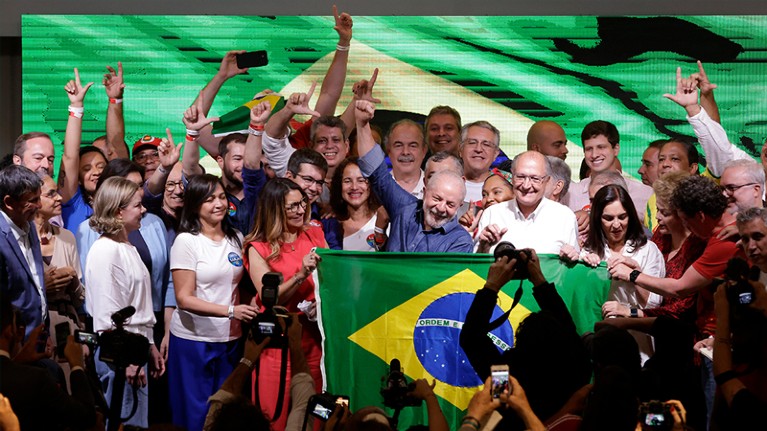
{"x":115,"y":101}
{"x":259,"y":127}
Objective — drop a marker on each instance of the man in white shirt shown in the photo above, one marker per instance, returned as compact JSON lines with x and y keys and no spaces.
{"x":601,"y":145}
{"x":480,"y":145}
{"x":21,"y":262}
{"x":406,"y":149}
{"x":529,"y":220}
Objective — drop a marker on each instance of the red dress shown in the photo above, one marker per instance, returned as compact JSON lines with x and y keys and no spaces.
{"x":267,"y":378}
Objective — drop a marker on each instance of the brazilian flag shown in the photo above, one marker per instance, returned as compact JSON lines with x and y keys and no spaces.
{"x":375,"y":307}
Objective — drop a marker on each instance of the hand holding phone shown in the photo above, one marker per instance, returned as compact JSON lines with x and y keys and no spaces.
{"x":500,"y":380}
{"x":252,"y":59}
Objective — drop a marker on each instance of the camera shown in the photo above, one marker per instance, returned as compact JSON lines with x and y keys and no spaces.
{"x":505,"y":248}
{"x":741,"y":292}
{"x":118,"y":347}
{"x":322,"y":405}
{"x":395,"y":392}
{"x":266,"y":324}
{"x":655,"y":415}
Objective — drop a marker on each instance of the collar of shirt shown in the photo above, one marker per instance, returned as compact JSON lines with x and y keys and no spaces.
{"x":518,"y":212}
{"x":18,"y":232}
{"x":419,"y":218}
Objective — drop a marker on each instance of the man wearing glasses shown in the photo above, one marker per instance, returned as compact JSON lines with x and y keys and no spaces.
{"x":146,"y":155}
{"x":480,"y":142}
{"x":742,"y":183}
{"x":529,"y":220}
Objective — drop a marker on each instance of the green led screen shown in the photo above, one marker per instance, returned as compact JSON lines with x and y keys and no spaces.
{"x":510,"y":71}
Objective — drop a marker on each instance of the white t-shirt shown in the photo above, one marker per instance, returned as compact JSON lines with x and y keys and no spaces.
{"x":218,"y":268}
{"x":473,"y":191}
{"x":115,"y":277}
{"x":546,"y":230}
{"x":358,"y":241}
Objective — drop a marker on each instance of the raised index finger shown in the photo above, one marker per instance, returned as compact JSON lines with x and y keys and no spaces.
{"x":335,"y":12}
{"x":678,"y":77}
{"x":373,"y":78}
{"x":119,"y":68}
{"x":311,"y":91}
{"x":701,"y":70}
{"x":77,"y":77}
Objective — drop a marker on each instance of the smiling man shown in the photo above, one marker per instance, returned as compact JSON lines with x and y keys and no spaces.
{"x":427,"y":225}
{"x":34,"y":151}
{"x":480,"y":145}
{"x":443,"y":129}
{"x":529,"y":220}
{"x":406,"y":149}
{"x":601,"y":145}
{"x":742,"y":183}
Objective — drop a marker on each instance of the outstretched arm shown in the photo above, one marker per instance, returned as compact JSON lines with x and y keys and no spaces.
{"x":706,"y":93}
{"x":362,"y":90}
{"x":258,"y":116}
{"x":115,"y":86}
{"x":363,"y":113}
{"x":333,"y":83}
{"x":70,"y":160}
{"x":194,"y":120}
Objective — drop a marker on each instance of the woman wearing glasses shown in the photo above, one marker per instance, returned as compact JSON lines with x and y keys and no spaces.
{"x":205,"y":330}
{"x":283,"y":240}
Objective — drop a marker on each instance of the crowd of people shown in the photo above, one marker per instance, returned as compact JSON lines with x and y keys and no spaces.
{"x":191,"y":252}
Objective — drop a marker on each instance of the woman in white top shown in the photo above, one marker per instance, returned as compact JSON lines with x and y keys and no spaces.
{"x":115,"y":277}
{"x":205,"y":331}
{"x":354,"y":206}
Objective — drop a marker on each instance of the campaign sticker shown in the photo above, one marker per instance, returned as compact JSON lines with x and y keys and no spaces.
{"x":232,"y":209}
{"x":235,"y":259}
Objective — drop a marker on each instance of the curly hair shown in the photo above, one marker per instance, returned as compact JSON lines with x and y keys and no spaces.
{"x":337,"y":202}
{"x":696,"y":194}
{"x":111,"y":197}
{"x":665,"y":185}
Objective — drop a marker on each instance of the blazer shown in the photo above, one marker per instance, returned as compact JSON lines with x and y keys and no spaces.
{"x":16,"y":278}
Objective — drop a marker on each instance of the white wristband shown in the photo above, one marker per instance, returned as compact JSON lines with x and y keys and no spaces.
{"x":76,"y":111}
{"x":255,"y":132}
{"x":342,"y":48}
{"x":191,"y":132}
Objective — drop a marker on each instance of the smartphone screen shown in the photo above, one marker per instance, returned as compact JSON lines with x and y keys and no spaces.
{"x":83,"y":337}
{"x":500,"y":379}
{"x":252,"y":59}
{"x":321,"y":411}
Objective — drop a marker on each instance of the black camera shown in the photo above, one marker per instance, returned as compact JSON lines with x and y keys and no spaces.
{"x":741,"y":292}
{"x":322,"y":405}
{"x":655,"y":415}
{"x":266,"y":324}
{"x":395,"y":393}
{"x":505,"y":248}
{"x":118,"y":347}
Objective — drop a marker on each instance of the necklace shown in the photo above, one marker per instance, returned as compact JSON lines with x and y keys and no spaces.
{"x":45,"y":238}
{"x":291,"y":243}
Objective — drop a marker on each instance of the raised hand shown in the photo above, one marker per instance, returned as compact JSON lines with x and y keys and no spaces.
{"x":76,"y":91}
{"x":194,"y":116}
{"x":113,"y":81}
{"x":168,"y":151}
{"x":686,"y":91}
{"x":363,"y":89}
{"x":702,"y":80}
{"x":229,"y":67}
{"x":490,"y":236}
{"x":343,"y":27}
{"x":260,"y":113}
{"x":298,"y":103}
{"x":364,"y":111}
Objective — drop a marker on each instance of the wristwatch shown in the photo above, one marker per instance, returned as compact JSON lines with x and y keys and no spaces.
{"x":634,"y":312}
{"x":634,"y":275}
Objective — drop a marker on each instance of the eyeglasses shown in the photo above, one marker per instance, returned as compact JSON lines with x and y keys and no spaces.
{"x":142,"y":157}
{"x":171,"y":185}
{"x":311,"y":181}
{"x":293,"y":208}
{"x":535,"y":179}
{"x":486,"y":145}
{"x":731,"y":189}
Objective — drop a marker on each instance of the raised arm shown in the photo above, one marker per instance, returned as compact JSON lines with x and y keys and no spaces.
{"x":115,"y":86}
{"x":258,"y":116}
{"x":194,"y":120}
{"x":70,"y":160}
{"x":706,"y":93}
{"x":690,"y":282}
{"x":363,"y":112}
{"x":333,"y":83}
{"x":362,"y":90}
{"x":297,"y":103}
{"x":169,"y":154}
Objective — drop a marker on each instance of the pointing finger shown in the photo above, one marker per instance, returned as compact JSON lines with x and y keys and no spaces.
{"x":311,"y":91}
{"x":372,"y":81}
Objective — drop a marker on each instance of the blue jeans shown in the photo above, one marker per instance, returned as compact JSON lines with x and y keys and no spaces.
{"x":709,"y":386}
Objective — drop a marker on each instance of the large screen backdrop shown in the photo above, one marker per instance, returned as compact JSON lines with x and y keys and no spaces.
{"x":510,"y":71}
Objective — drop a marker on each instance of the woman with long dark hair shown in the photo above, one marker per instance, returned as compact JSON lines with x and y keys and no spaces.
{"x":206,"y":262}
{"x":283,"y":240}
{"x":354,"y":206}
{"x":616,"y":234}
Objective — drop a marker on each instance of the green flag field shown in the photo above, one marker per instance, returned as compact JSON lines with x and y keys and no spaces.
{"x":375,"y":307}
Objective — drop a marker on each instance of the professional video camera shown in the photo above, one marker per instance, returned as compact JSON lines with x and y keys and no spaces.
{"x":395,"y":393}
{"x":266,"y":324}
{"x":118,"y":347}
{"x":655,"y":416}
{"x":505,"y":248}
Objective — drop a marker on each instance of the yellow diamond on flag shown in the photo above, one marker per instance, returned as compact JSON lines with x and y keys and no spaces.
{"x":392,"y":336}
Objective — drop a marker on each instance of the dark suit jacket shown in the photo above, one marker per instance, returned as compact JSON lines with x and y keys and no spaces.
{"x":16,"y":278}
{"x":40,"y":403}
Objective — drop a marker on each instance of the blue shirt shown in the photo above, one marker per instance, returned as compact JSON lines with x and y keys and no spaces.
{"x":406,"y":231}
{"x":75,"y":211}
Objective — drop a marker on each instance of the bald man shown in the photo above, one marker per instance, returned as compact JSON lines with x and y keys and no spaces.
{"x":547,"y":138}
{"x":529,"y":220}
